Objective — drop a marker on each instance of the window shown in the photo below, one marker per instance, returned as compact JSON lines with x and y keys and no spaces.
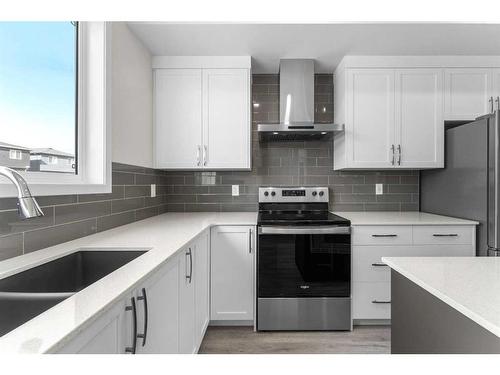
{"x":54,"y":95}
{"x":38,"y":87}
{"x":15,"y":154}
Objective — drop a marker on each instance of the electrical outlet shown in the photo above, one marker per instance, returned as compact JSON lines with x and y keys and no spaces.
{"x":379,"y":189}
{"x":235,"y":190}
{"x":153,"y":190}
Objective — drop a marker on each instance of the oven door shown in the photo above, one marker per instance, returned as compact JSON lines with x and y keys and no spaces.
{"x":309,"y":261}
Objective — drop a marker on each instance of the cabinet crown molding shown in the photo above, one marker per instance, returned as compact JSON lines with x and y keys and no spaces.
{"x":201,"y":62}
{"x":445,"y":61}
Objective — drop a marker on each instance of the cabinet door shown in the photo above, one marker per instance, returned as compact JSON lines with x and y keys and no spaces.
{"x":187,"y":343}
{"x":419,"y":118}
{"x":162,"y":321}
{"x":467,"y":93}
{"x":111,"y":333}
{"x":232,"y":265}
{"x":226,"y":109}
{"x":178,"y":118}
{"x":201,"y":284}
{"x":369,"y":129}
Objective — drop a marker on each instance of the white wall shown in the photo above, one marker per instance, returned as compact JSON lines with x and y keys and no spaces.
{"x":132,"y":99}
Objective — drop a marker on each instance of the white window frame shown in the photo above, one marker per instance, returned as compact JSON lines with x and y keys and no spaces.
{"x":94,"y":122}
{"x":15,"y":155}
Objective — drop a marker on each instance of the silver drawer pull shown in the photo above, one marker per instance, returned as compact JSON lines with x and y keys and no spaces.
{"x":445,"y":235}
{"x":384,"y":235}
{"x":380,"y":302}
{"x":379,"y":265}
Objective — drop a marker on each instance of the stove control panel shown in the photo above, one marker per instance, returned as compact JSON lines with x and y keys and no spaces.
{"x":293,"y":194}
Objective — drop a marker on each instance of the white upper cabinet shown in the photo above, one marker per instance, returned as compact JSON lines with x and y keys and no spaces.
{"x":468,"y":93}
{"x":202,"y":113}
{"x":226,"y":110}
{"x":419,"y":118}
{"x":394,"y":119}
{"x":370,"y":115}
{"x":178,"y":118}
{"x":394,"y":107}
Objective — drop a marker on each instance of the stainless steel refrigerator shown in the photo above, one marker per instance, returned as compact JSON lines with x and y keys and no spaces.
{"x":469,"y":185}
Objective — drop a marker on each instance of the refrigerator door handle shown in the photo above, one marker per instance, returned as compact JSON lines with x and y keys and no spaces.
{"x":490,"y":100}
{"x":497,"y":182}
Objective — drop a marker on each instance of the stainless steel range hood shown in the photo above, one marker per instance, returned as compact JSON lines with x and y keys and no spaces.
{"x":296,"y":105}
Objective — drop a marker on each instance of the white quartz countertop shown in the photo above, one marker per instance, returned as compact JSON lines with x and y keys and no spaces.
{"x":401,"y":218}
{"x":162,"y":235}
{"x":470,"y":285}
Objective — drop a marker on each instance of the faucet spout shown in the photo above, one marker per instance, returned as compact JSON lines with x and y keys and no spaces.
{"x":27,"y":205}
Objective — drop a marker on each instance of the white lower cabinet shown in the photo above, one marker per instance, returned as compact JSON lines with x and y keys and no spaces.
{"x":371,"y":278}
{"x":166,"y":313}
{"x":108,"y":334}
{"x":186,"y":302}
{"x":194,"y":294}
{"x":232,"y":270}
{"x":157,"y":312}
{"x":201,"y":277}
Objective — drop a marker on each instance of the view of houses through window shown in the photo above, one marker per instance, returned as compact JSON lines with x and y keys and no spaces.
{"x":38,"y":96}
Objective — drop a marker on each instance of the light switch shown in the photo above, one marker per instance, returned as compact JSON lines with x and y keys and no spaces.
{"x":153,"y":190}
{"x":379,"y":189}
{"x":235,"y":190}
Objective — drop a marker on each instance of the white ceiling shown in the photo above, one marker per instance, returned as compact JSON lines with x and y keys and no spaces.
{"x":327,"y":43}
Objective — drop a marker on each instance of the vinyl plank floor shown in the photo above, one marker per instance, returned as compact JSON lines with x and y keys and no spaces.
{"x":243,"y":340}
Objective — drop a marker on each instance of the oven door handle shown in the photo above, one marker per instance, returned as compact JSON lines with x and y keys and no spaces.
{"x":304,"y":230}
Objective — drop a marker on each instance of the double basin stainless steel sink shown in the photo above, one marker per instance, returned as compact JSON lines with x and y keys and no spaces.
{"x":29,"y":293}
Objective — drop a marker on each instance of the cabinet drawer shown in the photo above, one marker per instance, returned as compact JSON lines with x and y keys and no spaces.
{"x":371,"y":300}
{"x":442,"y":234}
{"x":367,"y":265}
{"x":382,"y":235}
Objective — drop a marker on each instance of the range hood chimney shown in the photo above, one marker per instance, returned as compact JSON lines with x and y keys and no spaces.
{"x":296,"y":105}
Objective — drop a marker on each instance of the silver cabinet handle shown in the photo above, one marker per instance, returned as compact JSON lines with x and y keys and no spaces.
{"x":399,"y":154}
{"x":198,"y":155}
{"x":491,"y":104}
{"x":190,"y":255}
{"x":250,"y":240}
{"x":497,"y":100}
{"x":392,"y":149}
{"x":380,"y":302}
{"x":445,"y":235}
{"x":144,"y":298}
{"x":379,"y":265}
{"x":132,"y":307}
{"x":205,"y":154}
{"x":384,"y":235}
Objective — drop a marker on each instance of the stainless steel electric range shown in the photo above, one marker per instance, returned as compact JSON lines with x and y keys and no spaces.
{"x":303,"y":261}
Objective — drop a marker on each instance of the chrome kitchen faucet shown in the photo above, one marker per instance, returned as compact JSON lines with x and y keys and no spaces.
{"x":27,"y":206}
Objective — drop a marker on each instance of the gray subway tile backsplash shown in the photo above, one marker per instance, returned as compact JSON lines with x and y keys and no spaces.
{"x":41,"y":238}
{"x":11,"y":246}
{"x":282,"y":163}
{"x":68,"y":217}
